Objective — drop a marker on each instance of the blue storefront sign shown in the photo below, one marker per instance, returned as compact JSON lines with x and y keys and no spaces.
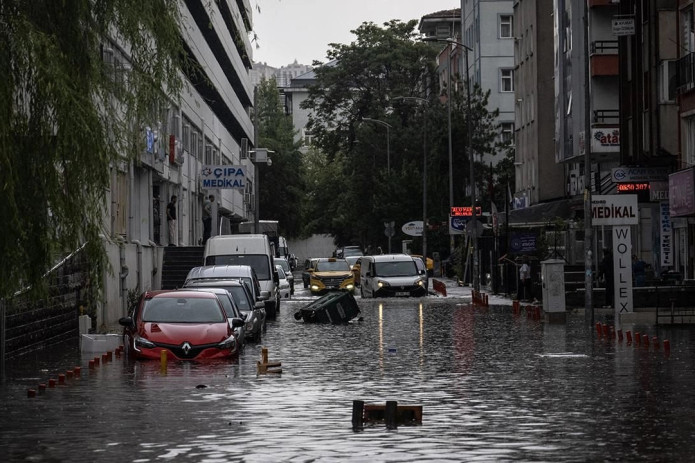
{"x":522,"y":242}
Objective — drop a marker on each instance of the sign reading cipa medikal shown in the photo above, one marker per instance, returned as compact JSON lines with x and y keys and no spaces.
{"x":224,"y":177}
{"x":614,"y":210}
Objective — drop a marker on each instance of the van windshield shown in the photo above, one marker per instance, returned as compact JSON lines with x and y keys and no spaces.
{"x":258,"y":262}
{"x":395,"y":268}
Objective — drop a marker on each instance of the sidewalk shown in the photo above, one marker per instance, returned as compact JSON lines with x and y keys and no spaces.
{"x":454,"y":291}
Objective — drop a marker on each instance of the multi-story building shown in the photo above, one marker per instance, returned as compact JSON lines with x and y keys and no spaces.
{"x":488,"y":32}
{"x":209,"y":125}
{"x":534,"y":108}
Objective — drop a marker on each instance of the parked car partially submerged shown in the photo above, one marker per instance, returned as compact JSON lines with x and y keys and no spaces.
{"x":188,"y":325}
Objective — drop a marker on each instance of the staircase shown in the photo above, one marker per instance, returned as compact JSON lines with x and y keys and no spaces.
{"x":177,"y":262}
{"x":574,"y":277}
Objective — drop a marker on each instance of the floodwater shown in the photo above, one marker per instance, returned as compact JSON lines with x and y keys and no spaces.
{"x":493,"y":387}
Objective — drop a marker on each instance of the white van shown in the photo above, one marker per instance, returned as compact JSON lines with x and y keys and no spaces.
{"x":254,"y":251}
{"x":391,"y":275}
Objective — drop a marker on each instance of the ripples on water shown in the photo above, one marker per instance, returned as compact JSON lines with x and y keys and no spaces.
{"x":493,"y":387}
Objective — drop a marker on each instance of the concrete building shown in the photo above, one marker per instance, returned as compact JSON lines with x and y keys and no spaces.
{"x":209,"y":125}
{"x":488,"y":31}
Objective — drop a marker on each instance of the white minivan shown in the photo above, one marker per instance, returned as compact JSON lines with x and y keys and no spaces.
{"x":254,"y":251}
{"x":391,"y":275}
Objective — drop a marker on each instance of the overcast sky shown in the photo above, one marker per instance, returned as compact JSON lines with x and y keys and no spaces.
{"x":301,"y":30}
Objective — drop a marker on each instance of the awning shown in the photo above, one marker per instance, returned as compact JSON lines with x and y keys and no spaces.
{"x":543,"y":213}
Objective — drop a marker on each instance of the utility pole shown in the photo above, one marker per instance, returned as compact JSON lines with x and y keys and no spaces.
{"x":588,"y":229}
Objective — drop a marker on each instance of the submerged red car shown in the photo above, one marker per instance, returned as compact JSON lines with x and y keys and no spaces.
{"x":189,"y":325}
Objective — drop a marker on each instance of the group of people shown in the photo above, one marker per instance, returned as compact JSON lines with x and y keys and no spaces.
{"x":171,"y":218}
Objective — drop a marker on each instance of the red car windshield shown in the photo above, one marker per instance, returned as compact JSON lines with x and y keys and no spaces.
{"x":182,"y":310}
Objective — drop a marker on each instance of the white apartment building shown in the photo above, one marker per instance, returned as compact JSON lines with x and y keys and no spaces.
{"x":488,"y":31}
{"x":209,"y":125}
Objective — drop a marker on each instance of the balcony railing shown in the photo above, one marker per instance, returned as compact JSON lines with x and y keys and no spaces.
{"x":606,"y":116}
{"x":604,"y":47}
{"x":686,"y":71}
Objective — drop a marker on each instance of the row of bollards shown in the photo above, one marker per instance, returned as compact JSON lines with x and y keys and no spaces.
{"x":75,"y":373}
{"x":533,"y":312}
{"x":479,"y":298}
{"x":391,"y":414}
{"x":640,"y":339}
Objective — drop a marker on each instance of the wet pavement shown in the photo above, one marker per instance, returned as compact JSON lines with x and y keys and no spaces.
{"x":494,"y":386}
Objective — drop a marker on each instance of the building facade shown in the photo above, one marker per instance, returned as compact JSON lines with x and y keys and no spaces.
{"x":209,"y":125}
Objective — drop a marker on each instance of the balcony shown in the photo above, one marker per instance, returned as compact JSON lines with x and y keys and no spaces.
{"x":604,"y":58}
{"x":686,"y":71}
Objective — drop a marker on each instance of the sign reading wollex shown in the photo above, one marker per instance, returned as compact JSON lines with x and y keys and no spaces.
{"x":224,"y":177}
{"x":618,"y":211}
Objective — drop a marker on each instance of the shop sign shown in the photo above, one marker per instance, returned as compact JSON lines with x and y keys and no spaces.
{"x":639,"y":174}
{"x":224,"y":177}
{"x":681,"y":193}
{"x":605,"y":140}
{"x":666,"y":235}
{"x":614,"y":210}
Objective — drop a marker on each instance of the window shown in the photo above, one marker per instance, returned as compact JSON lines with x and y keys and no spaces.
{"x":186,"y":137}
{"x":507,"y":132}
{"x":506,"y":27}
{"x":506,"y":80}
{"x":690,"y":141}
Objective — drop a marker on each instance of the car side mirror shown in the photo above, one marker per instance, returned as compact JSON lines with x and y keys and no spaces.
{"x":259,"y":305}
{"x":126,"y":321}
{"x":265,"y":295}
{"x":237,"y":322}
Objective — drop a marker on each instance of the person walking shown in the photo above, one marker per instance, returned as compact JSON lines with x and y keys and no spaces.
{"x":171,"y":220}
{"x":207,"y":217}
{"x":639,"y":271}
{"x":606,"y":274}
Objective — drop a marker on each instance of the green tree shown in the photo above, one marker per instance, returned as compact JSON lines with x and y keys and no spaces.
{"x":386,"y":74}
{"x":67,"y":117}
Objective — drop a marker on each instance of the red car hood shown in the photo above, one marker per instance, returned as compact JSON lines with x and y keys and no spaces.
{"x":177,"y":333}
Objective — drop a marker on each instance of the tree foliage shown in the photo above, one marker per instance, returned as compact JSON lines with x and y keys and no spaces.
{"x":357,"y":184}
{"x":282,"y":183}
{"x":67,"y":118}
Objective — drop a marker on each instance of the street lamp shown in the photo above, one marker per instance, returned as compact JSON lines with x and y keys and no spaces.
{"x":424,"y":173}
{"x":388,"y":140}
{"x":258,"y":156}
{"x":469,"y":150}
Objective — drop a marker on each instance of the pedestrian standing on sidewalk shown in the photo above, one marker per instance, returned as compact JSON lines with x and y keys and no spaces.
{"x":207,"y":217}
{"x":524,"y":280}
{"x":171,"y":220}
{"x":606,"y":274}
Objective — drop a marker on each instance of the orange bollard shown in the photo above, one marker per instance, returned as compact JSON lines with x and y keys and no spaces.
{"x":598,"y":329}
{"x":655,"y":341}
{"x":104,"y":358}
{"x":645,"y":340}
{"x":61,"y":379}
{"x":667,"y":346}
{"x":605,"y":330}
{"x":42,"y":387}
{"x":620,"y":335}
{"x":515,"y":306}
{"x":163,"y":361}
{"x":78,"y":372}
{"x":638,"y":338}
{"x":31,"y":393}
{"x":629,"y":336}
{"x":69,"y":374}
{"x":51,"y":383}
{"x":96,"y":361}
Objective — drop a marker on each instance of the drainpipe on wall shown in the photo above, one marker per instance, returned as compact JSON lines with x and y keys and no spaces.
{"x":138,"y":276}
{"x":122,"y":275}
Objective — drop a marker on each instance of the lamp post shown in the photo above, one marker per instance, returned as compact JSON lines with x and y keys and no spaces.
{"x":469,"y":150}
{"x":388,"y":140}
{"x":424,"y":173}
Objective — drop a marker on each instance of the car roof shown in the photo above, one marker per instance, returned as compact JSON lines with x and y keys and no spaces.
{"x":220,"y":271}
{"x":330,"y":259}
{"x":176,"y":293}
{"x":391,"y":257}
{"x":215,"y":283}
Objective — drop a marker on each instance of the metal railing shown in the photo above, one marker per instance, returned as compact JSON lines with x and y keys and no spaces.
{"x":686,"y":71}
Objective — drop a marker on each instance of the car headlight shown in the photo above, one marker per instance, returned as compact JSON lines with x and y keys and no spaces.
{"x":314,"y":287}
{"x":249,"y":326}
{"x":350,"y":287}
{"x":229,"y":343}
{"x":421,"y":283}
{"x":142,"y":342}
{"x":382,"y":283}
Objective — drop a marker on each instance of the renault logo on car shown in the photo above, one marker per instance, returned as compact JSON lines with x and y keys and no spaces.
{"x":186,"y":348}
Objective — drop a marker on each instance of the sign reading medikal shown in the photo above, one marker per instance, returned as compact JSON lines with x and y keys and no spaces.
{"x":224,"y":177}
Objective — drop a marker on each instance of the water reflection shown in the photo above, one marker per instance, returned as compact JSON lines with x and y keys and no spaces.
{"x":493,"y":386}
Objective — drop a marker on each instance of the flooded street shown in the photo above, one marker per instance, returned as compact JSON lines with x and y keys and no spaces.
{"x":493,"y":386}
